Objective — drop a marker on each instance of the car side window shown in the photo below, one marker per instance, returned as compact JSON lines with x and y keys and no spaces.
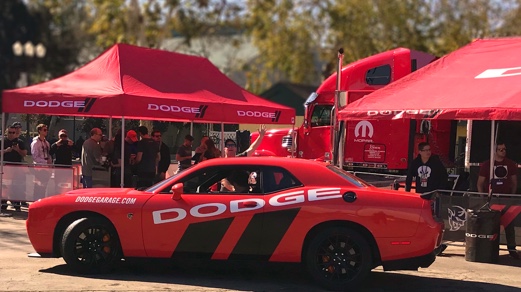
{"x":278,"y":179}
{"x":239,"y":179}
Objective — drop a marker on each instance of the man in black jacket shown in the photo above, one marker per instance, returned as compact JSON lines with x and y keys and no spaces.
{"x":62,"y":149}
{"x":428,"y":170}
{"x":430,"y":174}
{"x":14,"y":151}
{"x":164,"y":152}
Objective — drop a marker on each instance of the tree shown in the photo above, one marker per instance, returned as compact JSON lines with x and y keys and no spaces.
{"x":90,"y":123}
{"x":17,"y":23}
{"x":286,"y":39}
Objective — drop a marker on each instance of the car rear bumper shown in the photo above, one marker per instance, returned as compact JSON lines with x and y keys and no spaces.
{"x":410,"y":263}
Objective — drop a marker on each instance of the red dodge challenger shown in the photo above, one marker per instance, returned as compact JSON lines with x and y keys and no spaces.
{"x":256,"y":208}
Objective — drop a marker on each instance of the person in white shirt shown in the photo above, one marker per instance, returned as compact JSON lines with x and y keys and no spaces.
{"x":40,"y":147}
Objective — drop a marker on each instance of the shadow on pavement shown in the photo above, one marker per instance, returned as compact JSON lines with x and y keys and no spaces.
{"x":18,"y":215}
{"x":273,"y":277}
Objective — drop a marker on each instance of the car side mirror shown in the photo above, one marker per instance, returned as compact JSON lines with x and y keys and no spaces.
{"x":177,"y":191}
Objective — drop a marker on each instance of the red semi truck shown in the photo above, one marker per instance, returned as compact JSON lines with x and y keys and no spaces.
{"x":387,"y":146}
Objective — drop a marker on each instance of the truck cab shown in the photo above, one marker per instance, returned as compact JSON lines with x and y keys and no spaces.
{"x":371,"y":144}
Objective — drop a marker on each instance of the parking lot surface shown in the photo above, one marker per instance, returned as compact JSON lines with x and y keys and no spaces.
{"x":449,"y":273}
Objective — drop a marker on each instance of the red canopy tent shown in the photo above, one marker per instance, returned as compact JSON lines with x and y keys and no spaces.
{"x":477,"y":82}
{"x":140,"y":83}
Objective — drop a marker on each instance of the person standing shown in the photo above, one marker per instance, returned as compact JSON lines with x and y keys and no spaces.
{"x":14,"y":152}
{"x":90,"y":156}
{"x":199,"y":151}
{"x":430,"y":174}
{"x":146,"y":159}
{"x":428,"y":170}
{"x":130,"y":143}
{"x":184,"y":154}
{"x":40,"y":147}
{"x":62,"y":149}
{"x":164,"y":154}
{"x":503,"y":182}
{"x":211,"y":151}
{"x":18,"y":127}
{"x":230,"y":147}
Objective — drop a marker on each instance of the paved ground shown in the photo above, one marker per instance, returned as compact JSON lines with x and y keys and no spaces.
{"x":450,"y":273}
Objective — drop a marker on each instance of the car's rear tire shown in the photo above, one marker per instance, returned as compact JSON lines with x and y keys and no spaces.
{"x":91,"y":245}
{"x":338,"y":258}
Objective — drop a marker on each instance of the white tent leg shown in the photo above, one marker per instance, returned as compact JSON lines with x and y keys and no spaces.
{"x":122,"y":175}
{"x":492,"y":151}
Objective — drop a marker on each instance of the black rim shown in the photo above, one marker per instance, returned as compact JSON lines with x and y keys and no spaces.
{"x":338,"y":258}
{"x":95,"y":246}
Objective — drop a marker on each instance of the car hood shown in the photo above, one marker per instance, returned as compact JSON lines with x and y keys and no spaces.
{"x":71,"y":196}
{"x":103,"y":191}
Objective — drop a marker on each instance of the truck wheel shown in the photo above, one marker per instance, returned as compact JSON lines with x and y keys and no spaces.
{"x":338,"y":258}
{"x":91,"y":245}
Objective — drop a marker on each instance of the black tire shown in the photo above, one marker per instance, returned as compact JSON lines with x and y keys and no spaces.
{"x":91,"y":245}
{"x":338,"y":258}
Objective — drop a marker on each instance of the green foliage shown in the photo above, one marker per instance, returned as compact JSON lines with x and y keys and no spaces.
{"x":90,"y":123}
{"x":295,"y":38}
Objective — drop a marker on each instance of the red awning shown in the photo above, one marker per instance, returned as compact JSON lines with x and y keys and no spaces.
{"x":481,"y":81}
{"x":141,"y":83}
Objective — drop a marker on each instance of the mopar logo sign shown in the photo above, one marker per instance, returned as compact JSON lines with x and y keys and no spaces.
{"x":365,"y":131}
{"x":366,"y":128}
{"x":83,"y":106}
{"x":258,"y":114}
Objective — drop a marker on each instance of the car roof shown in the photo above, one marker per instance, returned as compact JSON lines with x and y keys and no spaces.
{"x":265,"y":161}
{"x":309,"y":172}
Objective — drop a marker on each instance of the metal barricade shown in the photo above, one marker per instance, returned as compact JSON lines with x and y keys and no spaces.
{"x":30,"y":182}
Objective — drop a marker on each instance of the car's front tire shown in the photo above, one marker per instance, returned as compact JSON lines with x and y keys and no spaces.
{"x":338,"y":258}
{"x":91,"y":245}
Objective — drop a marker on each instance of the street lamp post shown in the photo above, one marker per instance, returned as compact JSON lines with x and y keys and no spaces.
{"x":30,"y":51}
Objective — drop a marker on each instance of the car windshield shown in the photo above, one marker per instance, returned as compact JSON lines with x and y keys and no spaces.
{"x":161,"y":184}
{"x":348,"y":176}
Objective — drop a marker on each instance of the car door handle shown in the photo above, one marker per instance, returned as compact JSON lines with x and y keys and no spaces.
{"x":250,"y":204}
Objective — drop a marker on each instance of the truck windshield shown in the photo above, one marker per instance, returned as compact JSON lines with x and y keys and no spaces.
{"x":349,"y":177}
{"x":321,"y":115}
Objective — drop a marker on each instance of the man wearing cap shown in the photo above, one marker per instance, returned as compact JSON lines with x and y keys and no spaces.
{"x":184,"y":154}
{"x":14,"y":151}
{"x":14,"y":147}
{"x":146,"y":159}
{"x":18,"y":127}
{"x":62,"y":149}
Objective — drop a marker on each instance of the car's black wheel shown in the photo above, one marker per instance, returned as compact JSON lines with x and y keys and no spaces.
{"x":91,"y":245}
{"x":338,"y":258}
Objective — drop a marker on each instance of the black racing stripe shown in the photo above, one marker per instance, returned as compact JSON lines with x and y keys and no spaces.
{"x":90,"y":104}
{"x":200,"y":240}
{"x":277,"y":116}
{"x":273,"y":225}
